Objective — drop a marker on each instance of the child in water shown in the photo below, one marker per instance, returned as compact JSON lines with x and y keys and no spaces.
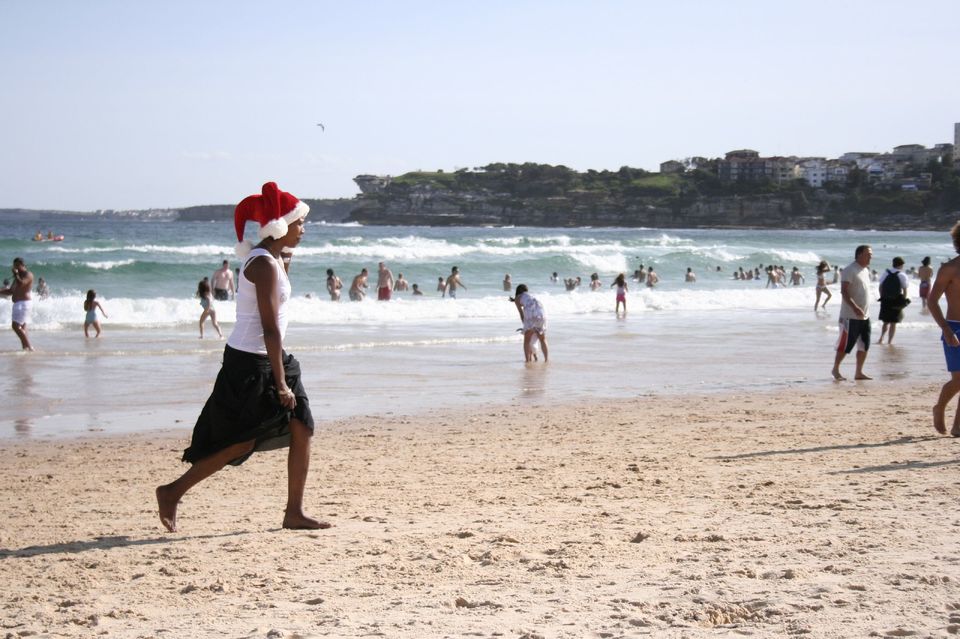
{"x":206,"y":301}
{"x":90,"y":305}
{"x":534,"y":322}
{"x":621,"y":284}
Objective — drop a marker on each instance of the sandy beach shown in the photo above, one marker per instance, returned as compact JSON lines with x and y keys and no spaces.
{"x":822,"y":512}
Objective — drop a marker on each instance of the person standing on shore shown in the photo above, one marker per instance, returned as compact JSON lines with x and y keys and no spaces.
{"x":222,"y":282}
{"x":854,"y":320}
{"x":19,"y":292}
{"x":534,"y":323}
{"x":893,"y":299}
{"x":384,"y":283}
{"x":258,"y":401}
{"x":947,"y":283}
{"x":925,"y":273}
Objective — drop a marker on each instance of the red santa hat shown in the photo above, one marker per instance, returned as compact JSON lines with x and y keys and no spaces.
{"x":273,"y":210}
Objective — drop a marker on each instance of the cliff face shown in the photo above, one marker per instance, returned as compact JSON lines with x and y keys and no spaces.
{"x":437,"y":207}
{"x":429,"y":205}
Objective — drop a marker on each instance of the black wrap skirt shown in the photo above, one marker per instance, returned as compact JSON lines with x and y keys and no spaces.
{"x":244,"y":406}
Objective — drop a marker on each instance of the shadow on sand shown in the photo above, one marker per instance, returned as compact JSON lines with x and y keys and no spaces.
{"x":909,"y":439}
{"x":105,"y":543}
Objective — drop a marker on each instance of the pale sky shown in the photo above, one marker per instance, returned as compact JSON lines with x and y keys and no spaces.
{"x":126,"y":104}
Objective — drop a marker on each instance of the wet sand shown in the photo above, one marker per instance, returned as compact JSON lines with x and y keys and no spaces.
{"x":824,"y":512}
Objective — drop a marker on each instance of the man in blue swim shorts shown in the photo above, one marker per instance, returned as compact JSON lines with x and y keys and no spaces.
{"x":854,"y":317}
{"x":947,"y":283}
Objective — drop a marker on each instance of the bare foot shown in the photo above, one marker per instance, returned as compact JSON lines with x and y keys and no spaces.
{"x":938,"y":420}
{"x":862,"y":376}
{"x":167,"y":506}
{"x":955,"y":431}
{"x":300,"y":521}
{"x":837,"y":376}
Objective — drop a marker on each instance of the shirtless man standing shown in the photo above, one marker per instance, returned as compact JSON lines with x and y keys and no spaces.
{"x":384,"y":283}
{"x":19,"y":292}
{"x":453,"y":282}
{"x":222,"y":283}
{"x":948,"y":283}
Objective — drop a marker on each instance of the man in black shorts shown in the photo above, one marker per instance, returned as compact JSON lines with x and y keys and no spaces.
{"x":854,"y":317}
{"x":222,"y":283}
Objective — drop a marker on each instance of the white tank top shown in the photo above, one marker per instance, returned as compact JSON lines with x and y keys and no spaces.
{"x":247,"y":333}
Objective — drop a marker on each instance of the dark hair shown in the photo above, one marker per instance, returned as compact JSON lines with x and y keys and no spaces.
{"x":330,"y":272}
{"x":621,"y":280}
{"x":955,"y":234}
{"x":823,"y":266}
{"x":897,"y":262}
{"x":91,"y":294}
{"x":925,"y":261}
{"x":521,"y":289}
{"x":18,"y":260}
{"x":860,"y":249}
{"x":203,"y":288}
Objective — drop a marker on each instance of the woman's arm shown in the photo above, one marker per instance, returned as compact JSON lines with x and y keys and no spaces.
{"x":262,"y":272}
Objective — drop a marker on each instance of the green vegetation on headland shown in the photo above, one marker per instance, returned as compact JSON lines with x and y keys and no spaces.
{"x":543,"y":195}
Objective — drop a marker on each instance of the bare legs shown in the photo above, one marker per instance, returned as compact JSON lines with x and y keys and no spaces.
{"x":169,"y":495}
{"x":21,"y":331}
{"x":949,"y":389}
{"x":883,"y":331}
{"x":836,"y":365}
{"x":212,"y":314}
{"x":859,"y":374}
{"x":298,"y":462}
{"x":86,"y":329}
{"x":528,"y":339}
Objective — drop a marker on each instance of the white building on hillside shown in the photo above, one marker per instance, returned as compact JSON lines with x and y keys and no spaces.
{"x":813,"y":170}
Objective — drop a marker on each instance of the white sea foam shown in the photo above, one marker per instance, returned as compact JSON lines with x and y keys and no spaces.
{"x":795,"y":257}
{"x":67,"y":311}
{"x":105,"y":266}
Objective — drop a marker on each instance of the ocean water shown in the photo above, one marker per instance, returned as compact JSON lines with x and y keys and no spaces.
{"x":150,"y":370}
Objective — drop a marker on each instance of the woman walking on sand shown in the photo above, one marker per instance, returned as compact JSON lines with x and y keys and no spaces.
{"x":206,"y":302}
{"x":822,"y":269}
{"x":621,"y":284}
{"x":258,"y":401}
{"x":534,"y":322}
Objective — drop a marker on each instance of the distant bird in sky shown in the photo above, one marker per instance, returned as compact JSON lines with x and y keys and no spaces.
{"x":322,"y":128}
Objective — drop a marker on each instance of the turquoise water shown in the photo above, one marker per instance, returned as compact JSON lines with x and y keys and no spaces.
{"x":149,"y":370}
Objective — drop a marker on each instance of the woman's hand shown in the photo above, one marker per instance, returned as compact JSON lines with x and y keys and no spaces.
{"x":287,"y":398}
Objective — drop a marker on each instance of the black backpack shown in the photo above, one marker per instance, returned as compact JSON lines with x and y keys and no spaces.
{"x":890,"y":288}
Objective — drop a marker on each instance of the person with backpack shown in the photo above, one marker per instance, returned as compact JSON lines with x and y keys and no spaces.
{"x":893,"y":298}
